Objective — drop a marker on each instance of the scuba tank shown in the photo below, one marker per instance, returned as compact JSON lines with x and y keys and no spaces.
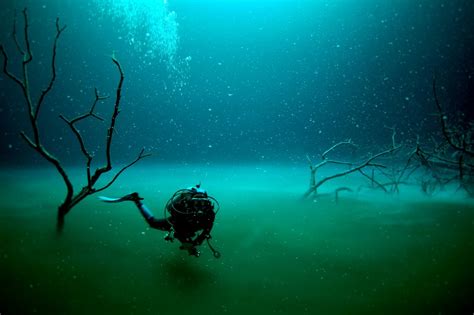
{"x":190,"y":210}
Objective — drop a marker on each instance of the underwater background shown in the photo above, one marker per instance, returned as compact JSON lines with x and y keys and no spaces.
{"x":242,"y":97}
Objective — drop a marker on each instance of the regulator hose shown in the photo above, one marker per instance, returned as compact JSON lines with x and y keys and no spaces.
{"x":216,"y":253}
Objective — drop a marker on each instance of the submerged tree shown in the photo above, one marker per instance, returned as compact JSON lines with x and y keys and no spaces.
{"x":451,"y":156}
{"x":73,"y":197}
{"x":353,"y":167}
{"x":446,"y":159}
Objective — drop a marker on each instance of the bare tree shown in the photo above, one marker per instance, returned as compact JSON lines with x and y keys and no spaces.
{"x":397,"y":171}
{"x":72,"y":197}
{"x":450,"y":159}
{"x":353,"y":167}
{"x":459,"y":138}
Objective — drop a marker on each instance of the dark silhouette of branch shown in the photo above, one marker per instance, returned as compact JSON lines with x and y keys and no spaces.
{"x":369,"y":162}
{"x":456,"y":144}
{"x":346,"y":142}
{"x":451,"y":159}
{"x":72,"y":198}
{"x":140,"y":156}
{"x":373,"y":181}
{"x":79,"y":136}
{"x":28,"y":56}
{"x":394,"y":133}
{"x":358,"y":167}
{"x":23,"y":82}
{"x":15,"y":38}
{"x":338,"y":191}
{"x":5,"y":69}
{"x":59,"y":30}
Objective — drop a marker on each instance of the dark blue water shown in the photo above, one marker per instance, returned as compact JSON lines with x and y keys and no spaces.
{"x":255,"y":80}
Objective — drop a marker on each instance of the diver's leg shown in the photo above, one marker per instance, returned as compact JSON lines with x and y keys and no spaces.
{"x":159,"y":224}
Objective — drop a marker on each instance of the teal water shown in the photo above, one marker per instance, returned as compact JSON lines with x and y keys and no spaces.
{"x":366,"y":254}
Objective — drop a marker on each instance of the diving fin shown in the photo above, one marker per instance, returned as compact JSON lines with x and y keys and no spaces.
{"x":129,"y":197}
{"x":107,"y":199}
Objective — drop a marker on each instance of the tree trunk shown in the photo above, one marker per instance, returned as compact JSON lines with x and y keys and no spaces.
{"x":62,"y":211}
{"x":67,"y":205}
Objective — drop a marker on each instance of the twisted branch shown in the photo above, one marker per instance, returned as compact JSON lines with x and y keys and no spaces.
{"x":5,"y":69}
{"x":71,"y":198}
{"x":358,"y":167}
{"x":23,"y":82}
{"x":348,"y":142}
{"x":369,"y":162}
{"x":79,"y":136}
{"x":140,"y":156}
{"x":110,"y":131}
{"x":59,"y":30}
{"x":444,"y":127}
{"x":28,"y":56}
{"x":373,"y":181}
{"x":15,"y":38}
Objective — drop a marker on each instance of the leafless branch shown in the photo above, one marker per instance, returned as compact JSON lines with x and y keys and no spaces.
{"x":369,"y":162}
{"x":339,"y":190}
{"x":394,"y":133}
{"x":140,"y":156}
{"x":346,"y":142}
{"x":28,"y":56}
{"x":5,"y":69}
{"x":71,"y":198}
{"x":448,"y":136}
{"x":110,"y":130}
{"x":356,"y":168}
{"x":15,"y":38}
{"x":59,"y":30}
{"x":373,"y":181}
{"x":78,"y":135}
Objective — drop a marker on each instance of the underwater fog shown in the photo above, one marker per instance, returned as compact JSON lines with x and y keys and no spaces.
{"x":335,"y":135}
{"x":364,"y":254}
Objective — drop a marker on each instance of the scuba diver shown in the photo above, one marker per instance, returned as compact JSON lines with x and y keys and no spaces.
{"x":190,"y":210}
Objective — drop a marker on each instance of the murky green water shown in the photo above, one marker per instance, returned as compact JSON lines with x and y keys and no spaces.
{"x":279,"y":254}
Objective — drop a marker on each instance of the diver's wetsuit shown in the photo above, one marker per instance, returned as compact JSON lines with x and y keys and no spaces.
{"x":159,"y":224}
{"x":184,"y":230}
